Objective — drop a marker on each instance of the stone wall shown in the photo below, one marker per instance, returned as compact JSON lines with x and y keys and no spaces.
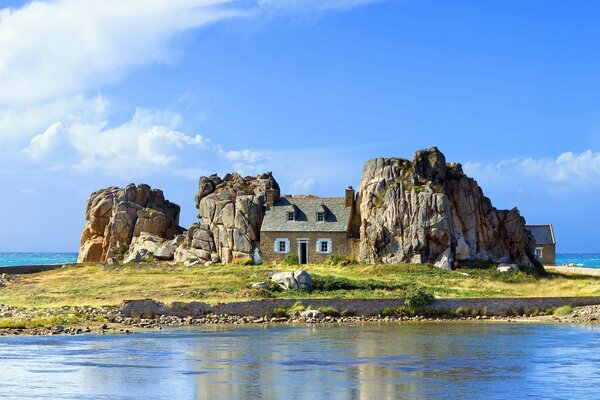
{"x":366,"y":307}
{"x":548,"y":254}
{"x":339,"y":240}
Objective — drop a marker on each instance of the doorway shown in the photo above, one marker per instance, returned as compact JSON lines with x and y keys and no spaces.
{"x":303,"y":252}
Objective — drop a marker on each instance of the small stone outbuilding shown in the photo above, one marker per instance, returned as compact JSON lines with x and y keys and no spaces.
{"x":310,"y":227}
{"x":545,"y":243}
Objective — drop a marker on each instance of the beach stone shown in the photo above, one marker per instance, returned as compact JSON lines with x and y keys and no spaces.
{"x":507,"y":268}
{"x":311,"y":314}
{"x":259,"y":285}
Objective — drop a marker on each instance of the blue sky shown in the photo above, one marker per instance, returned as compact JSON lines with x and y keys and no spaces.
{"x":101,"y":93}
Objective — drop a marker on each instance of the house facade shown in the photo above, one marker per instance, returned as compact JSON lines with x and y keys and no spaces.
{"x":545,"y":247}
{"x":310,"y":227}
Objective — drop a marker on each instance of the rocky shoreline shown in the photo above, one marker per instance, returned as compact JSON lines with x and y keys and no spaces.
{"x":86,"y":320}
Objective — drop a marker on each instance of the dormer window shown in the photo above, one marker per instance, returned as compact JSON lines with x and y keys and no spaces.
{"x":320,"y":216}
{"x":290,"y":216}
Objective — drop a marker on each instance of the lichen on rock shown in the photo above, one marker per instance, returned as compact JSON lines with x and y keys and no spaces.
{"x":429,"y":211}
{"x":116,"y":215}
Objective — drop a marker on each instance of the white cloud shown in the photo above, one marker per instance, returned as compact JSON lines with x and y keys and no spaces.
{"x":55,"y":54}
{"x":569,"y":171}
{"x":50,"y":49}
{"x":319,"y":5}
{"x":303,"y":186}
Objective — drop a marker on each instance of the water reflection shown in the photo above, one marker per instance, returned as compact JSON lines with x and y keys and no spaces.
{"x":419,"y":361}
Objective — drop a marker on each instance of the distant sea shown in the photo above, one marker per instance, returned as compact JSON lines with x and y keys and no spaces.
{"x":588,"y":260}
{"x":11,"y":259}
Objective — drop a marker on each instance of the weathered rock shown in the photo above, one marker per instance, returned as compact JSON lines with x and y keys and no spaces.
{"x":166,"y":251}
{"x":444,"y":260}
{"x":116,"y":215}
{"x":134,"y":256}
{"x":428,"y":211}
{"x":292,"y":280}
{"x":231,"y":210}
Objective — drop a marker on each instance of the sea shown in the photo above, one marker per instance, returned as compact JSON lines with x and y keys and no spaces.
{"x":480,"y":360}
{"x":586,"y":260}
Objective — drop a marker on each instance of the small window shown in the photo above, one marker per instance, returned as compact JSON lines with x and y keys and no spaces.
{"x":320,"y":216}
{"x":324,"y":246}
{"x":282,"y":246}
{"x":539,"y":252}
{"x":290,"y":216}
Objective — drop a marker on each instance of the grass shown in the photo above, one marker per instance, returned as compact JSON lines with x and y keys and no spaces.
{"x":95,"y":285}
{"x":563,"y":311}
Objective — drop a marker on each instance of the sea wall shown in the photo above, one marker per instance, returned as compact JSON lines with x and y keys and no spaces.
{"x":365,"y":307}
{"x":28,"y":269}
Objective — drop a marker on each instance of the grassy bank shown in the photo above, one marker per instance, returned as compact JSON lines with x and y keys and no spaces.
{"x":97,"y":285}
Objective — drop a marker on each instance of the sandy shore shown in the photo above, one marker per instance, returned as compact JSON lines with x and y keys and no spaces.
{"x":574,"y":270}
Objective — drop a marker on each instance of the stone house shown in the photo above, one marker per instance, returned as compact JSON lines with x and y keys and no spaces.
{"x":310,"y":227}
{"x":545,"y":243}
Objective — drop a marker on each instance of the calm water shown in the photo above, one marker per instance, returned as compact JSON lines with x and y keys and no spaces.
{"x":10,"y":259}
{"x":417,"y":361}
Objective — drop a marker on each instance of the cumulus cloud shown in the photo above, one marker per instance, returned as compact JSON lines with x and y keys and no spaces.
{"x":55,"y":54}
{"x":303,"y":186}
{"x":562,"y":174}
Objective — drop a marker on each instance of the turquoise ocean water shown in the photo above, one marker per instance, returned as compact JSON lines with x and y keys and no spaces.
{"x":11,"y":259}
{"x":588,"y":260}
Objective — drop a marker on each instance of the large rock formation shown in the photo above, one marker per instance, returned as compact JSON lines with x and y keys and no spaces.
{"x":231,"y":211}
{"x":115,"y":216}
{"x":427,"y":211}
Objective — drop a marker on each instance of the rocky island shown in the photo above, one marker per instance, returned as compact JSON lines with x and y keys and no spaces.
{"x":417,"y":240}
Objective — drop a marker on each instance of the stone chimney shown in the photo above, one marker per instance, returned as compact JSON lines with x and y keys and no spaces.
{"x":349,"y":196}
{"x":272,"y":195}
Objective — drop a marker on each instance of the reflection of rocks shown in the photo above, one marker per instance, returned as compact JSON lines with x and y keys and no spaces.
{"x":115,"y":216}
{"x":292,"y":280}
{"x":430,"y":211}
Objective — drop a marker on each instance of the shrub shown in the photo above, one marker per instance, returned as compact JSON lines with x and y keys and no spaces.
{"x":123,"y":249}
{"x":329,"y":311}
{"x":330,"y":282}
{"x":290,"y":259}
{"x":337,"y":259}
{"x":563,"y":311}
{"x":296,"y":308}
{"x":280,"y":312}
{"x":242,"y":261}
{"x":416,"y":297}
{"x":478,"y":264}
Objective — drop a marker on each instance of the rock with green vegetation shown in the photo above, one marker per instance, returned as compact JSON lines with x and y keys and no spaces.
{"x":115,"y":216}
{"x":429,"y":211}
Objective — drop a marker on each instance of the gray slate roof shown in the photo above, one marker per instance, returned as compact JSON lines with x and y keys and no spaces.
{"x":543,"y":234}
{"x":337,"y":215}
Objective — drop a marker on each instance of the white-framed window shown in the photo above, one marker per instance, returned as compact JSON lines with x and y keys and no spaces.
{"x":320,"y":216}
{"x":324,"y":246}
{"x":539,"y":252}
{"x":290,"y":216}
{"x":282,"y":246}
